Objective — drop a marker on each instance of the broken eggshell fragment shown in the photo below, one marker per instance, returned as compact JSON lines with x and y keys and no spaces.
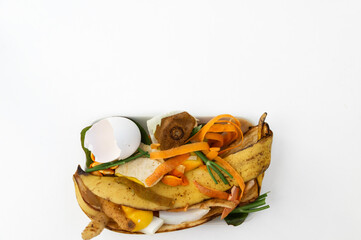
{"x":112,"y":138}
{"x":183,"y":216}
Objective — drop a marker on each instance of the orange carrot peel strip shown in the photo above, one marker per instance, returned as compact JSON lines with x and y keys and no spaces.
{"x":187,"y":148}
{"x":231,"y":132}
{"x":154,"y":145}
{"x":236,"y":129}
{"x":172,"y":180}
{"x":234,"y":173}
{"x":214,"y":149}
{"x":107,"y":171}
{"x":215,"y":137}
{"x":96,"y":173}
{"x":165,"y":168}
{"x":176,"y":177}
{"x":234,"y":197}
{"x":178,"y":171}
{"x":221,"y":127}
{"x":211,"y":192}
{"x":237,"y":145}
{"x":200,"y":135}
{"x":212,"y":153}
{"x":229,"y":137}
{"x":93,"y":164}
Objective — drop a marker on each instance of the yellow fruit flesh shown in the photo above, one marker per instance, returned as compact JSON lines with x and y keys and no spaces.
{"x":192,"y":164}
{"x":141,"y":218}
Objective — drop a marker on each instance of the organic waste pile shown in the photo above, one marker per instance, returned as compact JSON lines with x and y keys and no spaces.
{"x":180,"y":173}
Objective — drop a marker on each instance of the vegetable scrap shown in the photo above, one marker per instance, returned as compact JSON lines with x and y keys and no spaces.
{"x":178,"y":165}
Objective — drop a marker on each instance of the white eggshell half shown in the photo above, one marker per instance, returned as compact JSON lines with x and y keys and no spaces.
{"x":153,"y":226}
{"x":180,"y":217}
{"x":112,"y":138}
{"x":127,"y":135}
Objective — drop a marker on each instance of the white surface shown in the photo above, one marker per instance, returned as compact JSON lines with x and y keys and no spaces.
{"x":64,"y":64}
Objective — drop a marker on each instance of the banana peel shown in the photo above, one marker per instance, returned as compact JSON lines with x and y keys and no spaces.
{"x":250,"y":160}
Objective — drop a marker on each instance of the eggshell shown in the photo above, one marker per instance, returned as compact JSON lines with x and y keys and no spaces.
{"x":180,"y":217}
{"x":153,"y":226}
{"x":112,"y":138}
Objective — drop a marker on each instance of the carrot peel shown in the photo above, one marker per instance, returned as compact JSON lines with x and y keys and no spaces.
{"x":178,"y":171}
{"x":211,"y":192}
{"x":234,"y":197}
{"x":187,"y":148}
{"x":165,"y":168}
{"x":234,"y":173}
{"x":172,"y":180}
{"x":154,"y":145}
{"x":199,"y":136}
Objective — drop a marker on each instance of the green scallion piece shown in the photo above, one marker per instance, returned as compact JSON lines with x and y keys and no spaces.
{"x":254,"y":209}
{"x":222,"y":169}
{"x":210,"y":173}
{"x":215,"y":167}
{"x":224,"y":180}
{"x":118,"y":162}
{"x":249,"y":206}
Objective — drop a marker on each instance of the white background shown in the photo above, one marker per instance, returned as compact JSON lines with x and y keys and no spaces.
{"x":64,"y":64}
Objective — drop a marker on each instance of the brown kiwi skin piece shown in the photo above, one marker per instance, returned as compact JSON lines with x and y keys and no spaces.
{"x":174,"y":130}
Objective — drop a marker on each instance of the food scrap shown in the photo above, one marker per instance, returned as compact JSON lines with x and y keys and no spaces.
{"x":178,"y":172}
